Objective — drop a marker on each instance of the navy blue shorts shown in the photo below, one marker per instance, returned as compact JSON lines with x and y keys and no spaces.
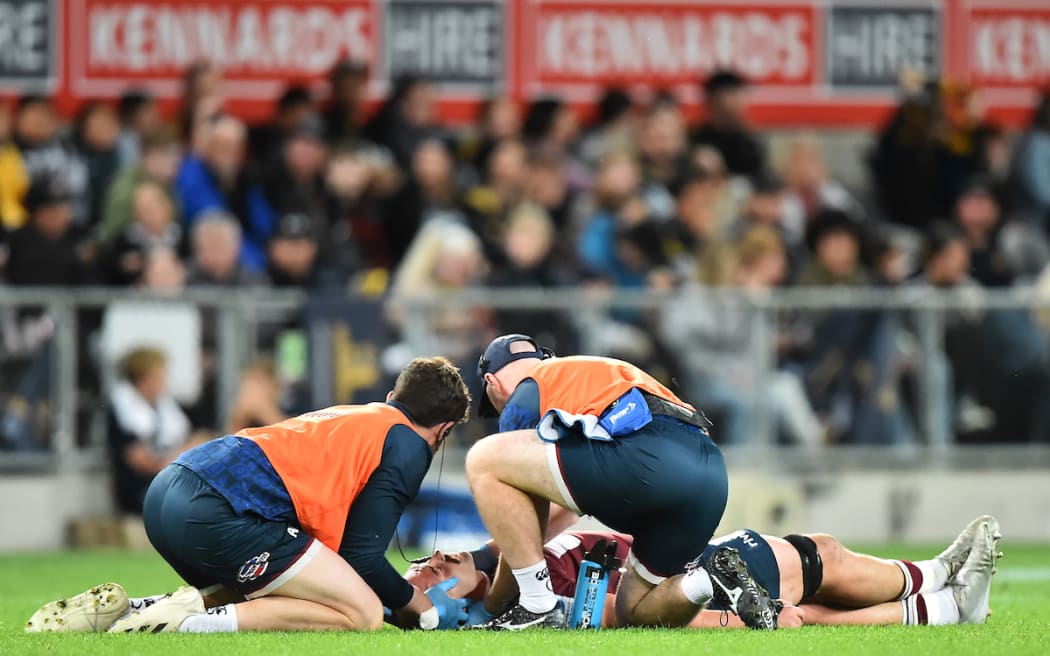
{"x":756,"y":554}
{"x":665,"y":484}
{"x":207,"y":543}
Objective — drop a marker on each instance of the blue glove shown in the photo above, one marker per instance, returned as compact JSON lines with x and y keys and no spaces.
{"x":452,"y":613}
{"x":477,"y":614}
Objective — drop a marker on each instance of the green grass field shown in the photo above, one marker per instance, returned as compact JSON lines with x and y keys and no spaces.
{"x":1020,"y":623}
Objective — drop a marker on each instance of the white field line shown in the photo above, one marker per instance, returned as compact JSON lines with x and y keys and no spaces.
{"x":1023,"y":574}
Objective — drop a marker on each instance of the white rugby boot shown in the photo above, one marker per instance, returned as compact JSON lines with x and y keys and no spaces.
{"x":92,"y":610}
{"x":972,"y":585}
{"x":165,"y":616}
{"x":955,"y":555}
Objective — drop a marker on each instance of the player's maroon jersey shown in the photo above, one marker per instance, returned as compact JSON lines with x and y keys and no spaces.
{"x":565,"y":552}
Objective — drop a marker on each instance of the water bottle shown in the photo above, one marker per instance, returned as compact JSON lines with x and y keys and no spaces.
{"x":589,"y":603}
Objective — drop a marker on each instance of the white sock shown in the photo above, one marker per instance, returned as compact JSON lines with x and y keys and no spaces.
{"x":934,"y":609}
{"x":921,"y":576}
{"x":934,"y":575}
{"x":221,"y":619}
{"x":696,"y":586}
{"x":535,"y":593}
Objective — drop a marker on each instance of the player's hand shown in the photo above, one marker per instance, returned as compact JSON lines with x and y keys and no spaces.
{"x":452,"y":613}
{"x":791,"y":617}
{"x":478,"y":614}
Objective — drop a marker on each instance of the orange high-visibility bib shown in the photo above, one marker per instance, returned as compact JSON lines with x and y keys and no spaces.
{"x":325,"y":458}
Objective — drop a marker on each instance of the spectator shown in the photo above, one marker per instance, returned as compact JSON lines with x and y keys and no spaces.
{"x":429,"y":192}
{"x":294,"y":181}
{"x":294,"y":107}
{"x":1030,"y":169}
{"x":14,"y":181}
{"x":962,"y":137}
{"x":348,"y":88}
{"x":488,"y":205}
{"x":297,"y":259}
{"x":695,"y":247}
{"x":258,"y":400}
{"x":720,"y":340}
{"x":529,"y":262}
{"x":354,"y":182}
{"x":217,"y":179}
{"x":203,"y":96}
{"x":765,"y":206}
{"x":159,"y":162}
{"x":662,"y":150}
{"x":49,"y":250}
{"x":903,"y":162}
{"x":147,"y":428}
{"x":139,"y":116}
{"x":726,"y":128}
{"x":499,"y":119}
{"x":153,"y":227}
{"x":163,"y":272}
{"x":45,"y":154}
{"x":809,"y":187}
{"x":215,"y":260}
{"x":551,"y":128}
{"x":445,"y":256}
{"x":546,"y":186}
{"x":615,"y":129}
{"x":835,"y":241}
{"x":618,"y":208}
{"x":95,"y":136}
{"x":406,"y":120}
{"x":1001,"y":250}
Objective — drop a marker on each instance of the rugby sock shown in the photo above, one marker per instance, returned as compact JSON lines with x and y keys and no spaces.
{"x":696,"y":586}
{"x":221,"y":619}
{"x":934,"y":609}
{"x":535,"y":593}
{"x":922,"y":576}
{"x":138,"y":603}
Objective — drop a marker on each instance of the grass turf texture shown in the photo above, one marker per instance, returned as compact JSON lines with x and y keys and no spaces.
{"x":1020,"y":623}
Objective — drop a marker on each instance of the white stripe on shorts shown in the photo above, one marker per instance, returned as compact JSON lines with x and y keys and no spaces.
{"x":293,"y":569}
{"x":642,"y":571}
{"x":559,"y":480}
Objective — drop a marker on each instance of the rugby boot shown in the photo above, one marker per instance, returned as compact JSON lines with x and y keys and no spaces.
{"x":92,"y":610}
{"x":519,"y":618}
{"x":972,"y":585}
{"x":165,"y":616}
{"x":735,"y":589}
{"x":955,"y":555}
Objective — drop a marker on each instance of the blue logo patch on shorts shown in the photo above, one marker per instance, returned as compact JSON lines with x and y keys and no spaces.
{"x":628,"y":414}
{"x":254,"y":567}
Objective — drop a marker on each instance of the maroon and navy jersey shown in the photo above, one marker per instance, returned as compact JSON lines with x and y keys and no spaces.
{"x":565,"y":552}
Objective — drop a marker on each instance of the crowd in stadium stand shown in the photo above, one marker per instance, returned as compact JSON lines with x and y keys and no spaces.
{"x":326,"y":194}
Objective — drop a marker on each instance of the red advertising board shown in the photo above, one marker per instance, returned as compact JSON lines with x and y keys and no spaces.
{"x":582,"y":46}
{"x":260,"y":45}
{"x":812,"y":62}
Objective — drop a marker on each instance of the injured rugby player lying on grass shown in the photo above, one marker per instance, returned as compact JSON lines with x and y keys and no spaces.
{"x":818,"y":580}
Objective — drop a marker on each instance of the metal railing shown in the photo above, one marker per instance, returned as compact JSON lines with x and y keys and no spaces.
{"x":238,"y":315}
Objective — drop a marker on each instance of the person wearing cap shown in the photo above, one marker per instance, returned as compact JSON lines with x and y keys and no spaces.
{"x":599,"y":436}
{"x":726,"y":128}
{"x":49,"y":248}
{"x":296,"y":258}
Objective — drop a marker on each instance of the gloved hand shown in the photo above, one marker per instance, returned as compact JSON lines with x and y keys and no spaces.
{"x":452,"y":613}
{"x":477,"y":614}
